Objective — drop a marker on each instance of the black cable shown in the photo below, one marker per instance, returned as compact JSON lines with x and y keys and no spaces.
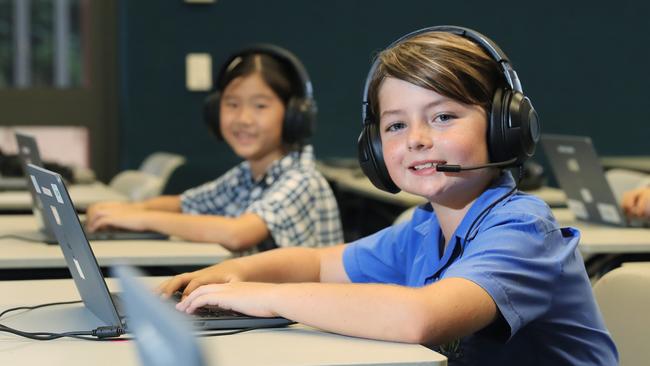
{"x":103,"y":333}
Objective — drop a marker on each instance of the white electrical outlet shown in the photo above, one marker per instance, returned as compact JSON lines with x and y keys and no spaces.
{"x":198,"y":72}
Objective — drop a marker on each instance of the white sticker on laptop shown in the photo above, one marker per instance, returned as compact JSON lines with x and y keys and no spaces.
{"x":578,"y":208}
{"x":35,"y":183}
{"x":586,"y":195}
{"x":55,"y":213}
{"x":573,"y":166}
{"x":57,"y":194}
{"x":79,"y":270}
{"x":609,"y":213}
{"x":46,"y":191}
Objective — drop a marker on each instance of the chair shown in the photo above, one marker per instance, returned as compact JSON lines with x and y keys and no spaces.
{"x":137,"y":185}
{"x":161,"y":164}
{"x":405,"y":215}
{"x":623,"y":295}
{"x":623,"y":180}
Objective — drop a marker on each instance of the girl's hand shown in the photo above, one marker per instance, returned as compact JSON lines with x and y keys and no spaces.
{"x":636,"y":203}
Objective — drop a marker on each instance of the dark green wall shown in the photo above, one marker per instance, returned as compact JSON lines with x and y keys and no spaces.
{"x":585,"y":66}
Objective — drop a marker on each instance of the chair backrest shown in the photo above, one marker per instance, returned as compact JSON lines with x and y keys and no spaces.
{"x":623,"y":296}
{"x":623,"y":180}
{"x":137,"y":185}
{"x":405,"y":215}
{"x":161,"y":164}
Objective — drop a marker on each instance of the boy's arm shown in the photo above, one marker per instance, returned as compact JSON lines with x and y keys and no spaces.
{"x":293,"y":264}
{"x":435,"y":314}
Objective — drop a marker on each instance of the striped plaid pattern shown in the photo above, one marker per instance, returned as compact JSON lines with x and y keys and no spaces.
{"x":293,"y":198}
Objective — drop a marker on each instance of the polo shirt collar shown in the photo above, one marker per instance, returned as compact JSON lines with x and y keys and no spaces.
{"x":500,"y":186}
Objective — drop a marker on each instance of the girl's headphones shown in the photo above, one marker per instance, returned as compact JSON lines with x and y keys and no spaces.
{"x":300,"y":111}
{"x":513,"y":125}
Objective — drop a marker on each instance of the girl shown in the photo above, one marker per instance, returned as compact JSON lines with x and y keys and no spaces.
{"x":482,"y":273}
{"x":263,"y":109}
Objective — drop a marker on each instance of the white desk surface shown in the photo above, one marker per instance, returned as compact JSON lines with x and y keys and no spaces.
{"x":294,"y":345}
{"x":82,"y":195}
{"x":640,"y":163}
{"x":603,"y":239}
{"x":20,"y":254}
{"x":353,"y":180}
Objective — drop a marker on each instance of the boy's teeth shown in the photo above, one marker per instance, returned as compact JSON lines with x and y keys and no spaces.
{"x":423,"y":166}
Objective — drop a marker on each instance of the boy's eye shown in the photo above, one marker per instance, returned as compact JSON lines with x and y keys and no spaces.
{"x":443,"y":117}
{"x":395,"y":126}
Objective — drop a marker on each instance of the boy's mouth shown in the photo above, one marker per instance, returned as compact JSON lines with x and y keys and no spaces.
{"x":422,"y":165}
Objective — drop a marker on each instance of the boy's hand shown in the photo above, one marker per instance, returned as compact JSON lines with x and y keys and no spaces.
{"x":252,"y":298}
{"x":188,"y":282}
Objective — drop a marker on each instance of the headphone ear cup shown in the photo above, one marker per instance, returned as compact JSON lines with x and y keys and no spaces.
{"x":299,"y":120}
{"x":211,"y":107}
{"x":514,"y":127}
{"x":371,"y":158}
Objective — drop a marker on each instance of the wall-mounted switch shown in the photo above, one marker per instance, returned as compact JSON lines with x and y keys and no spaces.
{"x":198,"y":72}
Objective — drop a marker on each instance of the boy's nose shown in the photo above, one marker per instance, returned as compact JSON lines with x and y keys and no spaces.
{"x":419,"y":138}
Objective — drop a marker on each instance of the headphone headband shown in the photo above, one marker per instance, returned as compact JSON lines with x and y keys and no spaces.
{"x":278,"y":53}
{"x":484,"y":42}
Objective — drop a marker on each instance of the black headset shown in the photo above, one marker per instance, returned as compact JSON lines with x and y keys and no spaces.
{"x":300,"y":112}
{"x":513,"y":125}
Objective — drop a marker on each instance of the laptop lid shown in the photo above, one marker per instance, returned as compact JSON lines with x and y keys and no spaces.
{"x":162,"y":335}
{"x":59,"y":212}
{"x":29,"y":154}
{"x":580,"y":174}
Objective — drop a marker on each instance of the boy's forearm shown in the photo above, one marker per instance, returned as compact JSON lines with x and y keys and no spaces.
{"x":376,"y":311}
{"x":281,"y":265}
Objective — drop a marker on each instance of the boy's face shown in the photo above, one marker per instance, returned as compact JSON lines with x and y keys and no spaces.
{"x":251,"y":116}
{"x":419,"y":129}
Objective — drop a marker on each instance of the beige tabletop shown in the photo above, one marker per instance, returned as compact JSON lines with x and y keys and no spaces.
{"x":294,"y":345}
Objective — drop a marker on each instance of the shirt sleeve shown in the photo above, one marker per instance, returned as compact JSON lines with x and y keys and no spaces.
{"x":378,"y":258}
{"x":285,"y":210}
{"x":516,"y":258}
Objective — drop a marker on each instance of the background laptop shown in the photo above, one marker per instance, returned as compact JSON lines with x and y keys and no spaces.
{"x":580,"y":174}
{"x":29,"y":154}
{"x":82,"y":263}
{"x":162,"y":336}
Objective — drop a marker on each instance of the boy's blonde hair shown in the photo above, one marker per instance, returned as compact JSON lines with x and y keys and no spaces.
{"x":449,"y":64}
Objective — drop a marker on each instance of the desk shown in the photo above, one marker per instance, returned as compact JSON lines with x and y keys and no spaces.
{"x":295,"y":345}
{"x":639,"y":163}
{"x":603,"y":239}
{"x":20,"y":254}
{"x":353,"y":180}
{"x":83,"y":195}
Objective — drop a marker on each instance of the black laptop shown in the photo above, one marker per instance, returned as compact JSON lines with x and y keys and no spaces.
{"x":29,"y":154}
{"x":59,"y":211}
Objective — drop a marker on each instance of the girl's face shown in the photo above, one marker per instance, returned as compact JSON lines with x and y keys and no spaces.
{"x":251,"y":116}
{"x":419,"y":129}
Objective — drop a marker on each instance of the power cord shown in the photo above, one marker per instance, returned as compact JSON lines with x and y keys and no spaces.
{"x":19,"y":237}
{"x":103,"y":333}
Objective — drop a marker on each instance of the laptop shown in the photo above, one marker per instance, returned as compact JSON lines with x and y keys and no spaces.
{"x":579,"y":173}
{"x":59,"y":211}
{"x":29,"y":154}
{"x":162,"y":335}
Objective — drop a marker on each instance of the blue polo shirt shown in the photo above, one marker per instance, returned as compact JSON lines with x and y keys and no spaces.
{"x":517,"y":253}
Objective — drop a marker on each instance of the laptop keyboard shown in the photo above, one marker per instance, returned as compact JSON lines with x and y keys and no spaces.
{"x":209,"y":311}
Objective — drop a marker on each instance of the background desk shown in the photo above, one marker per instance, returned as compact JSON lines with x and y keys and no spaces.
{"x":606,"y":247}
{"x":83,"y":195}
{"x":639,"y":163}
{"x":603,"y":239}
{"x":353,"y":180}
{"x":20,"y":254}
{"x":295,"y":345}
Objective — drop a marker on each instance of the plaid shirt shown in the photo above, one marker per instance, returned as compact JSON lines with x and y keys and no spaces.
{"x":293,"y":198}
